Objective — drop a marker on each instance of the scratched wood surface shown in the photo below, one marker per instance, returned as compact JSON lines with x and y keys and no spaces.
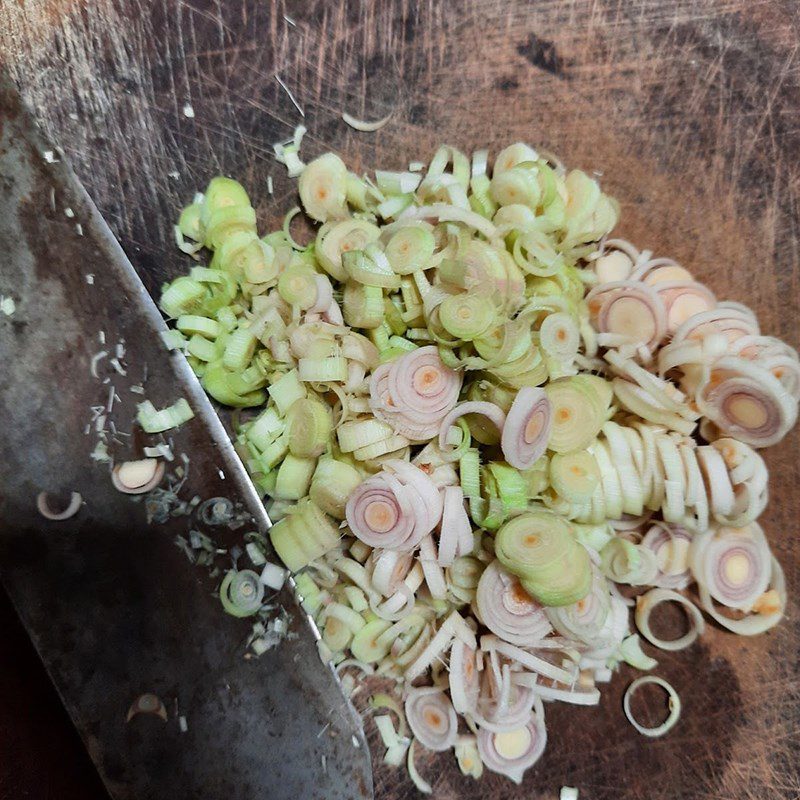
{"x":690,"y":111}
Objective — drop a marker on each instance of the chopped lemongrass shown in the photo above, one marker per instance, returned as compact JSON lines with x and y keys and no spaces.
{"x":474,"y":421}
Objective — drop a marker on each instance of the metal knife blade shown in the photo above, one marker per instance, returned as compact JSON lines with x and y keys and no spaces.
{"x":112,"y":605}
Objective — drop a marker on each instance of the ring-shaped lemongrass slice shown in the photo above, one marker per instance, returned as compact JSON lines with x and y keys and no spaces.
{"x":464,"y":677}
{"x":492,"y":412}
{"x":613,"y":266}
{"x":629,"y":310}
{"x":666,"y":273}
{"x":390,"y":569}
{"x":503,"y":705}
{"x":767,"y":611}
{"x":421,"y":386}
{"x":670,"y":543}
{"x":673,"y":702}
{"x":413,"y":477}
{"x":729,"y":322}
{"x":683,"y":300}
{"x":527,"y":428}
{"x":747,"y":402}
{"x":585,"y":620}
{"x":432,"y":718}
{"x":137,"y":477}
{"x":46,"y":510}
{"x":513,"y":752}
{"x":507,"y":610}
{"x":734,"y":565}
{"x":644,"y":607}
{"x":380,"y":513}
{"x":717,"y":481}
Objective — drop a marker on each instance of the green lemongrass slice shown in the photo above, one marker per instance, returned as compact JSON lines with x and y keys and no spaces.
{"x":363,"y":305}
{"x":568,"y":583}
{"x":332,"y":484}
{"x":322,"y":370}
{"x":266,"y":428}
{"x":192,"y":324}
{"x":189,"y":223}
{"x":335,"y":634}
{"x":361,"y":433}
{"x":528,"y":544}
{"x":223,"y":192}
{"x":389,"y":445}
{"x":227,"y":318}
{"x":224,"y":387}
{"x":367,"y":645}
{"x":370,"y":267}
{"x":411,"y":249}
{"x":303,"y":536}
{"x":519,"y":184}
{"x":201,"y":348}
{"x":342,"y":237}
{"x":469,"y":471}
{"x":239,"y":349}
{"x":274,"y":453}
{"x":579,"y":412}
{"x":511,"y":485}
{"x":298,"y":287}
{"x":574,"y":476}
{"x":308,"y":426}
{"x":394,"y":317}
{"x":294,"y":477}
{"x":227,"y":221}
{"x":182,"y":296}
{"x":153,"y":420}
{"x":286,"y":390}
{"x":467,"y":316}
{"x":323,"y":188}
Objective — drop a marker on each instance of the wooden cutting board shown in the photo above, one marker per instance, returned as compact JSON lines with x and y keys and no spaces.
{"x":689,"y":112}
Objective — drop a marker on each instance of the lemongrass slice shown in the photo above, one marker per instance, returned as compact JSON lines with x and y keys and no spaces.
{"x":389,"y":570}
{"x":666,"y":273}
{"x":455,"y":536}
{"x":585,"y":620}
{"x":768,"y":610}
{"x":613,"y":267}
{"x":717,"y":481}
{"x":464,"y":677}
{"x":432,"y":718}
{"x":43,"y":505}
{"x":644,"y":607}
{"x":323,"y":186}
{"x":673,"y":702}
{"x":493,"y":413}
{"x":733,"y":565}
{"x":507,"y":609}
{"x":137,"y":477}
{"x":527,"y":427}
{"x":630,"y":310}
{"x":434,"y":576}
{"x":449,"y":629}
{"x":511,"y":753}
{"x":670,"y":543}
{"x":683,"y":300}
{"x":526,"y":658}
{"x":380,"y":513}
{"x":572,"y":693}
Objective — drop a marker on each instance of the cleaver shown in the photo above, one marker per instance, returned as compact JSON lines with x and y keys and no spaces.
{"x":116,"y":611}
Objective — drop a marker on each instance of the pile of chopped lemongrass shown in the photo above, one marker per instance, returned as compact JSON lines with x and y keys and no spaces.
{"x":478,"y":422}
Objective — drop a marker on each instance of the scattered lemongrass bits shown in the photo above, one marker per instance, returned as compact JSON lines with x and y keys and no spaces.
{"x":475,"y":415}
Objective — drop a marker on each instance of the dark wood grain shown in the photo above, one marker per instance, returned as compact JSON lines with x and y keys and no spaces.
{"x":689,"y":110}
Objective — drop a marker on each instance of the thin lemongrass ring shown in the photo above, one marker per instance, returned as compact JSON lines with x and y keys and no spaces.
{"x":493,"y":413}
{"x":769,"y":608}
{"x":527,"y":428}
{"x":432,"y":718}
{"x":507,"y":609}
{"x":511,"y":753}
{"x":629,"y":309}
{"x":673,"y":702}
{"x":464,"y":677}
{"x":670,"y":543}
{"x":644,"y":607}
{"x":43,"y":505}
